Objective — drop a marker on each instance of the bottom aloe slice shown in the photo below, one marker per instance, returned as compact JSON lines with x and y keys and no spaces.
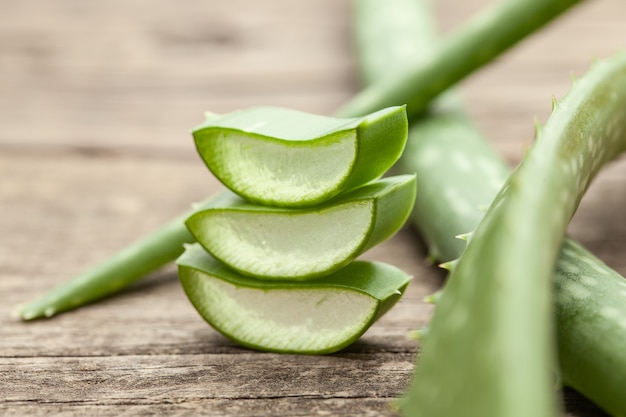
{"x":282,"y":243}
{"x":314,"y":317}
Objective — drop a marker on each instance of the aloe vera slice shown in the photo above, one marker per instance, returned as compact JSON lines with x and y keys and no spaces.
{"x":281,"y":157}
{"x":315,"y":317}
{"x":282,"y":243}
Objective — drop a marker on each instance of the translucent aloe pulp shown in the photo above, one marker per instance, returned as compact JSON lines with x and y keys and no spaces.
{"x":282,"y":157}
{"x":282,"y":243}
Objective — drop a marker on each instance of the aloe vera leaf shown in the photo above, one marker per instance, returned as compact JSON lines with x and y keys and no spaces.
{"x":588,"y":296}
{"x":535,"y":6}
{"x":319,"y":316}
{"x":391,"y":34}
{"x":495,"y":312}
{"x":282,"y":157}
{"x":584,"y":286}
{"x":113,"y":274}
{"x":299,"y":244}
{"x":479,"y":41}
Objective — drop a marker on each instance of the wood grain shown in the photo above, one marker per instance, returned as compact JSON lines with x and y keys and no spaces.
{"x":96,"y":103}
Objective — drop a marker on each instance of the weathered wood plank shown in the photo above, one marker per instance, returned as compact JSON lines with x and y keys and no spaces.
{"x":245,"y":375}
{"x":274,"y":407}
{"x":206,"y":384}
{"x":133,"y":72}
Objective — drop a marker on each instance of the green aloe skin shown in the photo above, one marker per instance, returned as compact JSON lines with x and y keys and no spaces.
{"x":479,"y":41}
{"x":459,"y":174}
{"x":518,"y":18}
{"x":490,"y":343}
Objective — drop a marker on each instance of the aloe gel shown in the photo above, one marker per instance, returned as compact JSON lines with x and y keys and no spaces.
{"x":314,"y":317}
{"x":282,"y":157}
{"x":281,"y":243}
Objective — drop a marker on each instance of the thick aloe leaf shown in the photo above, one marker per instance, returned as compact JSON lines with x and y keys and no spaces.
{"x":115,"y":273}
{"x":318,"y":316}
{"x":484,"y":37}
{"x":496,"y":347}
{"x":458,"y":173}
{"x":283,"y":157}
{"x":281,"y":243}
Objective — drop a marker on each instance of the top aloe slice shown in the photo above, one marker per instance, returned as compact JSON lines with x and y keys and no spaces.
{"x":286,"y":243}
{"x":282,"y":157}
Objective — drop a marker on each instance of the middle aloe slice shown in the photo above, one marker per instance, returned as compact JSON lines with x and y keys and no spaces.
{"x":298,"y":244}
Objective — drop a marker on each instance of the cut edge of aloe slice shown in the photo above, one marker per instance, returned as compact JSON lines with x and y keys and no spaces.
{"x":280,"y":243}
{"x":282,"y":157}
{"x":313,"y":317}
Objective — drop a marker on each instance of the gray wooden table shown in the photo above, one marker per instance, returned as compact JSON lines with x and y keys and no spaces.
{"x":96,"y":103}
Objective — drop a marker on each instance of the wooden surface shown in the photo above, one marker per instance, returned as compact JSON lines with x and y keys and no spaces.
{"x":96,"y":103}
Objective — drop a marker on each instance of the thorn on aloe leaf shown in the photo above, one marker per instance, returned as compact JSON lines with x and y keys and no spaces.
{"x":450,"y":265}
{"x":433,"y":298}
{"x":555,"y":103}
{"x":419,"y":334}
{"x":538,"y":127}
{"x":465,"y":236}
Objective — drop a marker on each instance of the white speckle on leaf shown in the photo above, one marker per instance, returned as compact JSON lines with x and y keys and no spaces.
{"x":457,"y":203}
{"x":610,"y":313}
{"x":577,"y":291}
{"x":496,"y":184}
{"x":569,"y":252}
{"x":462,"y":162}
{"x":569,"y":266}
{"x":598,"y":268}
{"x":489,"y":168}
{"x":588,"y":281}
{"x":429,"y":156}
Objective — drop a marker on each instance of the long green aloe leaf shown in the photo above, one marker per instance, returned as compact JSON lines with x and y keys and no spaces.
{"x":115,"y":273}
{"x":319,"y":316}
{"x":459,"y":174}
{"x":486,"y":36}
{"x":523,"y":17}
{"x":493,"y":323}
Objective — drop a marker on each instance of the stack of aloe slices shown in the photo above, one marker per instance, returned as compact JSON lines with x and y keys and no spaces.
{"x":274,"y":265}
